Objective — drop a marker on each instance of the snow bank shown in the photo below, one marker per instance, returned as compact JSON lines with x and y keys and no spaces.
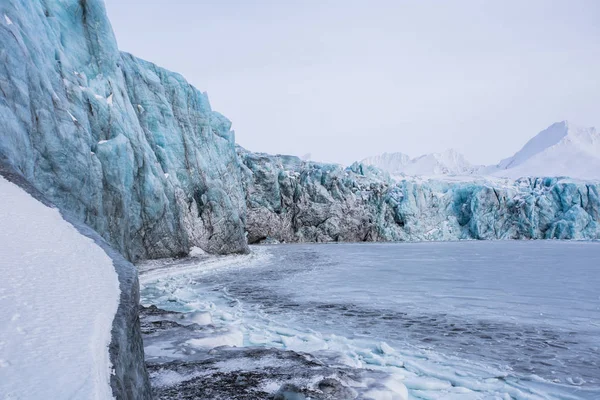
{"x":59,"y":293}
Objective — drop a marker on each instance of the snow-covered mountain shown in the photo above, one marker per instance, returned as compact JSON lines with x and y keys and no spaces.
{"x":449,"y":162}
{"x":563,"y":149}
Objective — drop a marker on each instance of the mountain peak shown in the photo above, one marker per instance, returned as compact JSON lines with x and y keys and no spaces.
{"x":562,"y":149}
{"x":449,"y":162}
{"x":549,"y":137}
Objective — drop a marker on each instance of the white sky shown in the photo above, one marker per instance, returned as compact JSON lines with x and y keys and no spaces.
{"x":346,"y":79}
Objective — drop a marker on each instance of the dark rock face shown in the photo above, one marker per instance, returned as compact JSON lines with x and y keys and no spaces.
{"x":128,"y":148}
{"x":130,"y":379}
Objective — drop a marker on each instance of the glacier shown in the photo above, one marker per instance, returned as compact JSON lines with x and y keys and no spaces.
{"x":138,"y":154}
{"x":65,"y":292}
{"x":291,"y":200}
{"x":131,"y":149}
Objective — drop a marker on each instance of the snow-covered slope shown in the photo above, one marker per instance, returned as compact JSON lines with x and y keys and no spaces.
{"x":563,"y":149}
{"x":449,"y":162}
{"x":59,"y":293}
{"x":394,"y":163}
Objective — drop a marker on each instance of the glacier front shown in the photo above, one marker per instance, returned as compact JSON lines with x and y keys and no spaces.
{"x":291,"y":200}
{"x":131,"y":149}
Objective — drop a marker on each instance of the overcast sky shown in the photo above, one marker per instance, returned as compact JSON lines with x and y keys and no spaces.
{"x":346,"y":79}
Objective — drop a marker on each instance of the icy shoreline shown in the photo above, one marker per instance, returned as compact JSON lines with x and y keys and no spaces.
{"x":229,"y":318}
{"x":203,"y":354}
{"x":216,"y":369}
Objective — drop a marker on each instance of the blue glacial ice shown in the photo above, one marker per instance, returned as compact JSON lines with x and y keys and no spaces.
{"x":131,"y":149}
{"x":291,"y":200}
{"x":138,"y":154}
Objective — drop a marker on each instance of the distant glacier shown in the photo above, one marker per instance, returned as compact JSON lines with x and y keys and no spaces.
{"x":297,"y":201}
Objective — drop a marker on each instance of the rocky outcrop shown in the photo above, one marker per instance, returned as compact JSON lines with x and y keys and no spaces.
{"x":130,"y":379}
{"x":292,"y":200}
{"x":130,"y":149}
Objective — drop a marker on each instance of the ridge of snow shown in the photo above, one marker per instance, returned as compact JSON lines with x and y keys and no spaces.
{"x":450,"y":162}
{"x":59,"y":294}
{"x":546,"y":138}
{"x":563,"y":149}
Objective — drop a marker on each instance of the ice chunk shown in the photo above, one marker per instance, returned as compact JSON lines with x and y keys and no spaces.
{"x":195,"y":251}
{"x":232,"y":337}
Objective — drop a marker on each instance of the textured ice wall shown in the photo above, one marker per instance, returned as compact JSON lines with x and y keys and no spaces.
{"x":296,"y":201}
{"x":130,"y":149}
{"x":137,"y":153}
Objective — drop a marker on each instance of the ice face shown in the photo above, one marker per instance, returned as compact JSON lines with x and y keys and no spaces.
{"x":131,"y":149}
{"x":295,"y":201}
{"x":138,"y":154}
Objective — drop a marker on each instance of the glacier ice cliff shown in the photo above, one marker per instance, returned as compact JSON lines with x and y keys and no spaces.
{"x":129,"y":148}
{"x":137,"y":153}
{"x":296,"y":201}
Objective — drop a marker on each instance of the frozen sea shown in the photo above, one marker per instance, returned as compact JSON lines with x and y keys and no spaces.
{"x":465,"y":320}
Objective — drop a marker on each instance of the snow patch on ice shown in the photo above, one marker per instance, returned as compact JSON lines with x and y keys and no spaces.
{"x":59,"y":293}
